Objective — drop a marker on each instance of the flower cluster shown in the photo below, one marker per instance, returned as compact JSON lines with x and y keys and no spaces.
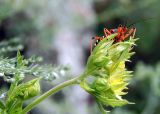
{"x":106,"y":77}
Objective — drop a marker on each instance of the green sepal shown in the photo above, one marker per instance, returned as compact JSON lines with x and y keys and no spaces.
{"x":114,"y":102}
{"x":101,"y":61}
{"x":100,"y":84}
{"x":86,"y":86}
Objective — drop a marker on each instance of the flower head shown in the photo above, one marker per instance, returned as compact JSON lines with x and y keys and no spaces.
{"x":106,"y":77}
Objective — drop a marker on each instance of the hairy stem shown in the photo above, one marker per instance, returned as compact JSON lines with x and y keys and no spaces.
{"x":49,"y":93}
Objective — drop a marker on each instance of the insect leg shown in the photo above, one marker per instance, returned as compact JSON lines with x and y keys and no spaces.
{"x":133,"y":30}
{"x":107,"y":32}
{"x":94,"y":40}
{"x":91,"y":43}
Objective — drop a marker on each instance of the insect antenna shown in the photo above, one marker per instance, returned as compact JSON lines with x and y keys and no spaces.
{"x":125,"y":23}
{"x":140,"y":20}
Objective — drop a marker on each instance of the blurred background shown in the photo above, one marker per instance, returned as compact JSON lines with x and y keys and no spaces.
{"x":60,"y":32}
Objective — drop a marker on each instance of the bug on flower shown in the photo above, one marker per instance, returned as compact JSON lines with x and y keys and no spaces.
{"x":123,"y":32}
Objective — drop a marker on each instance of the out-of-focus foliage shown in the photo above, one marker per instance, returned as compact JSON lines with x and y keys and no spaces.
{"x":23,"y":19}
{"x":10,"y":46}
{"x":23,"y":67}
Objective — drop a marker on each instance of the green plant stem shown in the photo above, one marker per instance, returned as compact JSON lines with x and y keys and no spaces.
{"x":49,"y":93}
{"x":101,"y":108}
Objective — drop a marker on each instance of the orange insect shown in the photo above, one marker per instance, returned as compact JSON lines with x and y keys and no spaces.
{"x":122,"y":33}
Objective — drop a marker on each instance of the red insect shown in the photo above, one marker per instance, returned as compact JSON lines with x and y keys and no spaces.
{"x":122,"y":34}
